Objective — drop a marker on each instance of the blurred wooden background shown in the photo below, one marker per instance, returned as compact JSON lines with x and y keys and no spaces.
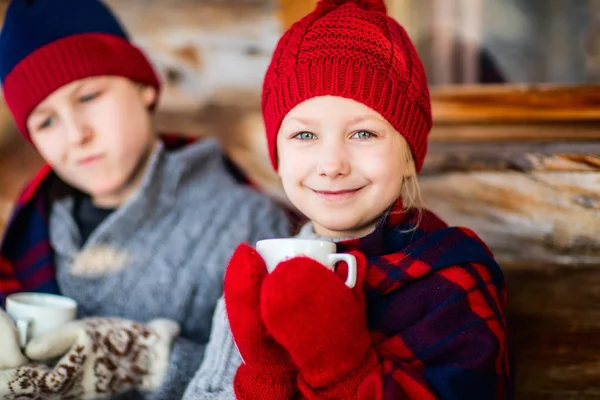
{"x":514,"y":154}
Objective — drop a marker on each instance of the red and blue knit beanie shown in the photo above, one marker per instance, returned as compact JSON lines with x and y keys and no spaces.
{"x":352,"y":49}
{"x":46,"y":44}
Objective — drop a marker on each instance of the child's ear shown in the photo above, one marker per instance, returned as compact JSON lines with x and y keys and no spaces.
{"x":148,"y":94}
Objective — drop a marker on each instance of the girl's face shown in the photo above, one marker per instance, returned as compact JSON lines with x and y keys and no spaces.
{"x":341,"y":163}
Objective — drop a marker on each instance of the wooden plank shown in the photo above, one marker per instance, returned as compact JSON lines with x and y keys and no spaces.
{"x":199,"y":46}
{"x":495,"y":132}
{"x":523,"y":156}
{"x":554,"y":322}
{"x":515,"y":103}
{"x":529,"y":216}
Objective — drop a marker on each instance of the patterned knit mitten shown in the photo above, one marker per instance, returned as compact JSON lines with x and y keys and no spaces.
{"x":10,"y":351}
{"x":102,"y":357}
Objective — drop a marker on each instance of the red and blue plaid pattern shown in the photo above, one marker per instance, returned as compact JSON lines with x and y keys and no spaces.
{"x":26,"y":259}
{"x":435,"y":307}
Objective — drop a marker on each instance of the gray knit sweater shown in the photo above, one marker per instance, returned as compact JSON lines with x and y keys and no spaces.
{"x":163,"y":252}
{"x":214,"y":379}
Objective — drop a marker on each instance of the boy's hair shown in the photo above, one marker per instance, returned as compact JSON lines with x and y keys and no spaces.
{"x":46,"y":44}
{"x":351,"y":49}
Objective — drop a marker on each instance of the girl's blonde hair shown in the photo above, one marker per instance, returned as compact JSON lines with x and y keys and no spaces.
{"x":410,"y":191}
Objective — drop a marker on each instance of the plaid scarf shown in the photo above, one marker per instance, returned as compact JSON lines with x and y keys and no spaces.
{"x":435,"y":307}
{"x":26,"y":256}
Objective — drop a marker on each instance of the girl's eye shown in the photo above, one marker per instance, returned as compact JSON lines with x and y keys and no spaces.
{"x":88,"y":97}
{"x":362,"y":135}
{"x":305,"y":136}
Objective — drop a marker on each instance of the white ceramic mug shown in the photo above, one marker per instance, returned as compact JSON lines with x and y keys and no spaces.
{"x":274,"y":251}
{"x":38,"y":313}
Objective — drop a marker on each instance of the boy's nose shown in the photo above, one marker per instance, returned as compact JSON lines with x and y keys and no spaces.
{"x":78,"y":133}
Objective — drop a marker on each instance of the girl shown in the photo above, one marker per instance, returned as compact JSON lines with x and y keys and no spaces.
{"x":347,"y":113}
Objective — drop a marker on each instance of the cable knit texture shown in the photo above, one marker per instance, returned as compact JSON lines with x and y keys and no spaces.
{"x":178,"y":233}
{"x":350,"y":49}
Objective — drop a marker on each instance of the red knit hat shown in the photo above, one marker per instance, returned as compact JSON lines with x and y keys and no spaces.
{"x":46,"y":44}
{"x":351,"y":49}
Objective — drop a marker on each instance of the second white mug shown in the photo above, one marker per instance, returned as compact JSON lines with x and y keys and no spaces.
{"x":38,"y":313}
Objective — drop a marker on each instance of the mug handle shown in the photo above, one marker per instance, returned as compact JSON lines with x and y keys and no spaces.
{"x":23,"y":326}
{"x":348,"y":259}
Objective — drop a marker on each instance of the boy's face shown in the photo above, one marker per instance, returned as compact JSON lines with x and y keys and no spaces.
{"x":97,"y":135}
{"x":341,"y":163}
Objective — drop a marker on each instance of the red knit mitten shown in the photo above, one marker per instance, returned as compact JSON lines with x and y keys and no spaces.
{"x":267,"y":371}
{"x":323,"y":325}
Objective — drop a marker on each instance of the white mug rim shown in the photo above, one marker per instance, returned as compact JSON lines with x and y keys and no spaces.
{"x":295,"y":240}
{"x":57,"y":301}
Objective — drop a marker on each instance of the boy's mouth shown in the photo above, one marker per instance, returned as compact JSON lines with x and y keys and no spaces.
{"x":90,"y":159}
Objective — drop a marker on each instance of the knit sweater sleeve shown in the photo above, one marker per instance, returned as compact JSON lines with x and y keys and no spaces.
{"x":214,"y":379}
{"x":185,"y":359}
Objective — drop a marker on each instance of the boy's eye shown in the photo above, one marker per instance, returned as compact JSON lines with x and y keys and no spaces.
{"x":362,"y":135}
{"x":46,"y":123}
{"x":88,"y":97}
{"x":305,"y":136}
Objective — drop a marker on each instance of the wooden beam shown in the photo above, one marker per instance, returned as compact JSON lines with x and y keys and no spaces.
{"x":506,"y":156}
{"x":515,"y":103}
{"x":516,"y":132}
{"x":293,"y":10}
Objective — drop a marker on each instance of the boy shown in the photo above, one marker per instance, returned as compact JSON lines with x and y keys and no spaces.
{"x":127,"y":223}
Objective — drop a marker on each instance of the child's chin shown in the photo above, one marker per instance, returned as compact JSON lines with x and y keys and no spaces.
{"x":102,"y":189}
{"x":337,"y":228}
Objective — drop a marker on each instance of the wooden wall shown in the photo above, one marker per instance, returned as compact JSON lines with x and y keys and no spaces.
{"x":521,"y":166}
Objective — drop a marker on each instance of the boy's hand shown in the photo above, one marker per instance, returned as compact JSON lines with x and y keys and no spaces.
{"x":102,"y":357}
{"x":267,"y":371}
{"x":10,"y":351}
{"x":322,"y":324}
